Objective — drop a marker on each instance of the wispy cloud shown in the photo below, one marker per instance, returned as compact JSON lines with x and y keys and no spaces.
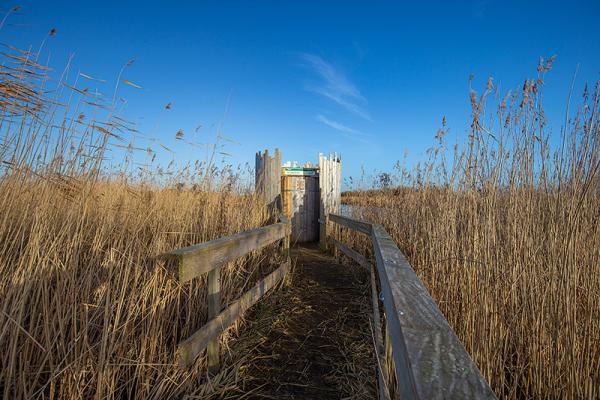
{"x":335,"y":86}
{"x":346,"y":130}
{"x":335,"y":125}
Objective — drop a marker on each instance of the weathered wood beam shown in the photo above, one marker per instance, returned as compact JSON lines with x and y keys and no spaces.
{"x":214,"y":308}
{"x":288,"y":233}
{"x":204,"y":257}
{"x":383,"y":380}
{"x":188,"y":350}
{"x":323,"y":232}
{"x":353,"y":254}
{"x":430,"y":361}
{"x":351,"y":223}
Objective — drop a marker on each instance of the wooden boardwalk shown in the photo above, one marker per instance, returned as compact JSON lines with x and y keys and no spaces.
{"x":315,"y":336}
{"x":316,"y":341}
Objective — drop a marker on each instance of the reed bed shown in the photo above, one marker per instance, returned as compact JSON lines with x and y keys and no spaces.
{"x":505,"y":233}
{"x":88,"y":308}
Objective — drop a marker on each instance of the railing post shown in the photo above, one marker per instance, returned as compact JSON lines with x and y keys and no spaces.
{"x":323,"y":232}
{"x":337,"y":233}
{"x":209,"y":258}
{"x":383,"y":381}
{"x":214,"y":308}
{"x":286,"y":239}
{"x":389,"y":369}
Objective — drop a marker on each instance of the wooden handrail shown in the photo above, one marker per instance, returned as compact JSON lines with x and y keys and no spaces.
{"x":202,"y":258}
{"x":188,"y":350}
{"x":208,"y":258}
{"x":429,"y":360}
{"x":353,"y":254}
{"x":351,"y":223}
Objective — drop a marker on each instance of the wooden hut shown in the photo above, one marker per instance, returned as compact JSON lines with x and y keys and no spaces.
{"x":308,"y":192}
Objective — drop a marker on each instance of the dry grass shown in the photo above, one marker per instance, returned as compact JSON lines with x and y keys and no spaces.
{"x":506,"y":237}
{"x":310,"y":340}
{"x":88,"y":309}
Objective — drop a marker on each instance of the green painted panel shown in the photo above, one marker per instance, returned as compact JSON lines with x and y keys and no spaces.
{"x":299,"y":171}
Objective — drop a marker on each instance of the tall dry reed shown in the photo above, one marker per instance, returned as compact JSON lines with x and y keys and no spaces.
{"x":88,"y":308}
{"x":506,"y":235}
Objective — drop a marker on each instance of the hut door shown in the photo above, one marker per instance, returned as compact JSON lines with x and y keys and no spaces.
{"x":301,"y":205}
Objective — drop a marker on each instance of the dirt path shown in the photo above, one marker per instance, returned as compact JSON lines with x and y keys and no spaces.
{"x":313,"y":337}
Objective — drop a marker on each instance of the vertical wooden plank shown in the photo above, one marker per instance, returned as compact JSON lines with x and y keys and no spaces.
{"x":316,"y":204}
{"x":271,"y":176}
{"x":389,"y":366}
{"x":338,"y":185}
{"x":325,"y":194}
{"x":268,"y":179}
{"x":214,"y":308}
{"x":258,"y":173}
{"x":337,"y":236}
{"x":307,"y":211}
{"x":330,"y":190}
{"x":323,"y":232}
{"x":322,"y":214}
{"x":330,"y":172}
{"x":332,"y":177}
{"x":267,"y":176}
{"x":382,"y":375}
{"x":330,"y":186}
{"x":277,"y":181}
{"x":286,"y":240}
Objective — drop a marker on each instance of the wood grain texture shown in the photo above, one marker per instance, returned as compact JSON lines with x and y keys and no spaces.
{"x":383,"y":379}
{"x":202,"y":258}
{"x":351,"y":223}
{"x":430,"y":361}
{"x":323,"y":233}
{"x":300,"y":196}
{"x":288,"y":234}
{"x":267,"y":179}
{"x":188,"y":350}
{"x":353,"y":254}
{"x":214,"y":308}
{"x":329,"y":186}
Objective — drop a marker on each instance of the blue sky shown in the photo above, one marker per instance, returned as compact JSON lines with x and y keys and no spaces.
{"x":368,"y":80}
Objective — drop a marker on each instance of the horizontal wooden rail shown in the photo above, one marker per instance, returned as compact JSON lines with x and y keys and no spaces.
{"x":383,"y":381}
{"x":208,"y":258}
{"x":204,"y":257}
{"x":188,"y":350}
{"x":351,"y":223}
{"x":429,"y":360}
{"x":353,"y":254}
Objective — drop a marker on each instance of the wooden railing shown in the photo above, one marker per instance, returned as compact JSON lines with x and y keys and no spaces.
{"x":208,"y":258}
{"x":429,"y":361}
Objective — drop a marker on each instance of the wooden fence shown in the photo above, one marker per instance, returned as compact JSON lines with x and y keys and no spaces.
{"x":418,"y":354}
{"x":208,"y":258}
{"x":267,"y":179}
{"x":428,"y":360}
{"x":330,"y":183}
